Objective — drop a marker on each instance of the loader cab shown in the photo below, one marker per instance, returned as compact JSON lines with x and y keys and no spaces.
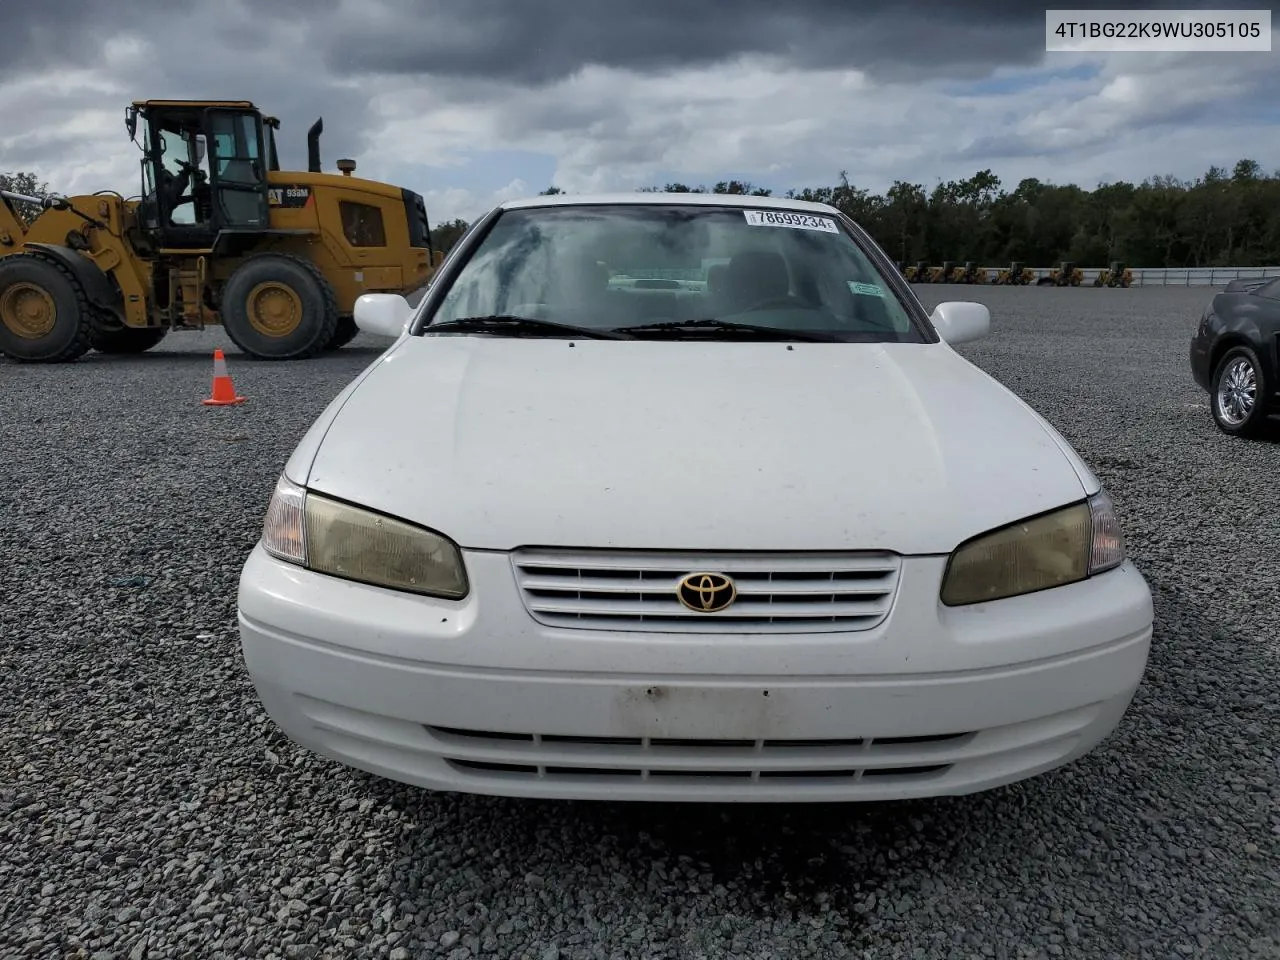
{"x":204,"y":171}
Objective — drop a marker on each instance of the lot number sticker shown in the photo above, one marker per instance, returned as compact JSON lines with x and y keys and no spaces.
{"x":793,"y":221}
{"x":865,"y":289}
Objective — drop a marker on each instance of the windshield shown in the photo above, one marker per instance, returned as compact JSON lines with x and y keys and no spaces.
{"x":625,"y":266}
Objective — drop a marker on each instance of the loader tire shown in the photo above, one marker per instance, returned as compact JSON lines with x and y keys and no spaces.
{"x":343,"y":334}
{"x":122,"y":339}
{"x":279,"y":307}
{"x":44,"y":314}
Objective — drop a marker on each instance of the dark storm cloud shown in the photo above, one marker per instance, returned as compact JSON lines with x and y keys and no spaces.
{"x":38,"y":34}
{"x":299,"y":59}
{"x":1012,"y":146}
{"x":539,"y":41}
{"x":233,"y":50}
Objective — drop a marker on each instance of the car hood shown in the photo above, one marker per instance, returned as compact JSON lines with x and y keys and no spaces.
{"x":503,"y":442}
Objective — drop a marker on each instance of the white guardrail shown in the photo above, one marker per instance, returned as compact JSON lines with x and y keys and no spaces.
{"x":1172,"y":277}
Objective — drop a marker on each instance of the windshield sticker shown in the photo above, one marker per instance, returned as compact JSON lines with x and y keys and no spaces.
{"x":793,"y":221}
{"x":866,"y":289}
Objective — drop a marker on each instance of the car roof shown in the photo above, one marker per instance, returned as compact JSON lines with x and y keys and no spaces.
{"x":667,"y":199}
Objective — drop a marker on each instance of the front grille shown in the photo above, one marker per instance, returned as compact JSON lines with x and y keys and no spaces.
{"x":776,"y":592}
{"x":572,"y":757}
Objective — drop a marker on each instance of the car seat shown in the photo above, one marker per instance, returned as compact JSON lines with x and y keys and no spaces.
{"x":753,"y":276}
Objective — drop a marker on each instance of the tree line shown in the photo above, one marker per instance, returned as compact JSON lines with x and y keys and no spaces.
{"x":1219,"y":219}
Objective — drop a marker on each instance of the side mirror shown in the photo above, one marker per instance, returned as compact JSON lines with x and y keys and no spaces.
{"x":959,"y":321}
{"x":383,"y":314}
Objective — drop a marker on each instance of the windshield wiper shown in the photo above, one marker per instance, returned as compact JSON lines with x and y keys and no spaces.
{"x":724,"y":326}
{"x":514,"y":326}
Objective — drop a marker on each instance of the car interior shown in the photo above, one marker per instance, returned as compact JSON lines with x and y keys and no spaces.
{"x":763,"y":281}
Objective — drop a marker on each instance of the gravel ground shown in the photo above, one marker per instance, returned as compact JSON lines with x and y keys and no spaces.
{"x":150,"y":810}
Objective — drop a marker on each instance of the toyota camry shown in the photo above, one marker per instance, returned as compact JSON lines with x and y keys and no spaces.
{"x":687,"y":497}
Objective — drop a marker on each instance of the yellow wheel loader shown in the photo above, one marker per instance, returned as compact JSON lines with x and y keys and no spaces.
{"x":919,"y":273}
{"x":1117,"y":276}
{"x":969,"y":273}
{"x":1068,"y":275}
{"x":1016,"y":275}
{"x":220,"y":236}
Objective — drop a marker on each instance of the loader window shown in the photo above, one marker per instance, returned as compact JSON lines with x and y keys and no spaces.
{"x":362,"y":224}
{"x":240,"y":175}
{"x":183,"y":176}
{"x":226,"y":147}
{"x":235,"y":140}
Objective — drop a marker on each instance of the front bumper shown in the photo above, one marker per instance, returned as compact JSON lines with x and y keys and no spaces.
{"x":1198,"y":358}
{"x":478,"y":697}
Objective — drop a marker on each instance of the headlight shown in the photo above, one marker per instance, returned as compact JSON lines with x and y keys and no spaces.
{"x":1056,"y":548}
{"x":332,"y":537}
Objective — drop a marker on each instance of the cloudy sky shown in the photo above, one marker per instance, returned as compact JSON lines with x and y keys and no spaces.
{"x":472,"y":101}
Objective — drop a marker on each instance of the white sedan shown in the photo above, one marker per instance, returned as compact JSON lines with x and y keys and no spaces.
{"x":686,"y":497}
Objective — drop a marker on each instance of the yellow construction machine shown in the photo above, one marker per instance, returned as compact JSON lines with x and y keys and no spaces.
{"x":969,"y":273}
{"x":1067,"y":275}
{"x":220,"y":235}
{"x":918,"y":273}
{"x":1015,"y":275}
{"x":1117,"y":276}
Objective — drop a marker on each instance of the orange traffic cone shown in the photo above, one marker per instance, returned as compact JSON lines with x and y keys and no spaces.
{"x":224,"y":392}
